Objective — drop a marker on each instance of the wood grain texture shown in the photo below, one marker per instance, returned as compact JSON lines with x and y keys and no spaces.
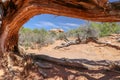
{"x":17,"y":12}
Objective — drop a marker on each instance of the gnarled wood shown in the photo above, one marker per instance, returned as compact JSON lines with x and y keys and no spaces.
{"x":17,"y":12}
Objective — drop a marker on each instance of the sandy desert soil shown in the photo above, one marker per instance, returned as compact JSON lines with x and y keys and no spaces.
{"x":89,"y":53}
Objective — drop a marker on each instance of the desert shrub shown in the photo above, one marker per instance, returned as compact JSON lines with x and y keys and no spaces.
{"x":37,"y":36}
{"x":41,"y":36}
{"x":88,"y":31}
{"x":73,"y":32}
{"x":106,"y":29}
{"x":95,"y":29}
{"x":52,"y":34}
{"x":23,"y":40}
{"x":83,"y":32}
{"x":60,"y":36}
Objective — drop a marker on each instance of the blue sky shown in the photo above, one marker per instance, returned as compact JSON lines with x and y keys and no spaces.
{"x":48,"y":22}
{"x":113,"y":0}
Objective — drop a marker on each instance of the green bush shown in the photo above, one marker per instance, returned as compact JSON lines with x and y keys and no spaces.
{"x":60,"y":36}
{"x":83,"y":32}
{"x":37,"y":36}
{"x":106,"y":28}
{"x":73,"y":32}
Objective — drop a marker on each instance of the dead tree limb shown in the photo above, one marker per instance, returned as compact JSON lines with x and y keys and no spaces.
{"x":76,"y":41}
{"x":69,"y":42}
{"x":108,"y":44}
{"x":118,"y":40}
{"x":75,"y":64}
{"x":89,"y":39}
{"x":66,"y":39}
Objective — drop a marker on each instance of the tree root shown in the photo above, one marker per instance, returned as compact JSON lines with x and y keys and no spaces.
{"x":63,"y":62}
{"x":109,"y":45}
{"x":41,"y":63}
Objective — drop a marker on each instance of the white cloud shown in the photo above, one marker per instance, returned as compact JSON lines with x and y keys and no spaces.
{"x":67,"y":27}
{"x":50,"y":25}
{"x":46,"y":24}
{"x":70,"y":24}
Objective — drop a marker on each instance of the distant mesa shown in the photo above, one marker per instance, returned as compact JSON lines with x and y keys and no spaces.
{"x":57,"y":30}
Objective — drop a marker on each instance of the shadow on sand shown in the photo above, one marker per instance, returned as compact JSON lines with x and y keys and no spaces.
{"x":64,"y":72}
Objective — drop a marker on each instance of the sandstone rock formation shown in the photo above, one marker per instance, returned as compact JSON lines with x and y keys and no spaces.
{"x":56,"y":30}
{"x":17,"y":12}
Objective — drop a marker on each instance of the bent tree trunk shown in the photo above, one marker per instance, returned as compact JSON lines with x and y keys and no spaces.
{"x":17,"y":12}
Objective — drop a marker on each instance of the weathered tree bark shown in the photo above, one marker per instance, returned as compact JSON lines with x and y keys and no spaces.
{"x":17,"y":12}
{"x":87,"y":40}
